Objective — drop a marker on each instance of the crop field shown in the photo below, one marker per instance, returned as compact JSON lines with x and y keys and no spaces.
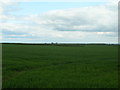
{"x":60,"y":66}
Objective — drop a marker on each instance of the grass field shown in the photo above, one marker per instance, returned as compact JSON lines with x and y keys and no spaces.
{"x":64,"y":66}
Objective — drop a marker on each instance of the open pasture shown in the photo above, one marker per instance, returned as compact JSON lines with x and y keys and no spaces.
{"x":60,"y":66}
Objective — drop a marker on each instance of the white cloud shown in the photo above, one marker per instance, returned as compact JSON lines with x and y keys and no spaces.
{"x":74,"y":24}
{"x":90,"y":19}
{"x":5,"y":2}
{"x":3,"y":9}
{"x":104,"y":32}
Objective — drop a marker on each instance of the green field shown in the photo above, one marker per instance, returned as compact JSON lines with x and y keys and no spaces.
{"x":63,"y":66}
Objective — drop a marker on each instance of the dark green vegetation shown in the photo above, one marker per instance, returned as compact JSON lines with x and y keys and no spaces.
{"x":62,"y":66}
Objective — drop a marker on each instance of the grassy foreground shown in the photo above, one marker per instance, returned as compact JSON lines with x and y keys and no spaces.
{"x":51,"y":66}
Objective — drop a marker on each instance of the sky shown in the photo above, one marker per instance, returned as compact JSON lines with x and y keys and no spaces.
{"x":62,"y":22}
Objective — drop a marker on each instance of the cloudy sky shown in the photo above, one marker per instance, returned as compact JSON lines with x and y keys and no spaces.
{"x":63,"y":22}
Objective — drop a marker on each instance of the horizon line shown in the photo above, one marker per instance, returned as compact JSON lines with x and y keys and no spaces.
{"x":56,"y":43}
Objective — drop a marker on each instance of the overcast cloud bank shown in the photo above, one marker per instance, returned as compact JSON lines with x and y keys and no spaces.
{"x":71,"y":24}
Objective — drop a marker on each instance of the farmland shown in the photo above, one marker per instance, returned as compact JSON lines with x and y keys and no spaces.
{"x":60,"y":66}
